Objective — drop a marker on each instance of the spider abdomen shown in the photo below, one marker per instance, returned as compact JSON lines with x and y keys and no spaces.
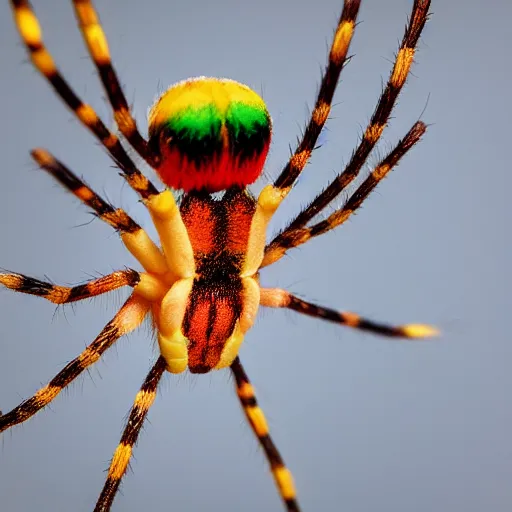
{"x":210,"y":134}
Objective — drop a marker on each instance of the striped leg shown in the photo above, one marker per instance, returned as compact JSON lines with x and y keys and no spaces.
{"x":379,"y":119}
{"x":134,"y":237}
{"x":295,"y":237}
{"x":97,"y":44}
{"x":278,"y":298}
{"x":128,"y":318}
{"x":319,"y":115}
{"x":63,"y":294}
{"x":118,"y":219}
{"x":143,"y":401}
{"x":31,"y":33}
{"x":256,"y":418}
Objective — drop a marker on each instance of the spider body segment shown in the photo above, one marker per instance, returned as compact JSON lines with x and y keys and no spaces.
{"x":200,"y":284}
{"x":210,"y":134}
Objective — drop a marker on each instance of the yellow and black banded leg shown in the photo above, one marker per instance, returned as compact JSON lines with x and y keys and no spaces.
{"x":319,"y":115}
{"x":143,"y":401}
{"x":117,"y":218}
{"x":64,"y":294}
{"x":403,"y":61}
{"x":133,"y":236}
{"x":30,"y":31}
{"x":279,"y":298}
{"x":97,"y":44}
{"x":128,"y":318}
{"x":295,"y":237}
{"x":256,"y":418}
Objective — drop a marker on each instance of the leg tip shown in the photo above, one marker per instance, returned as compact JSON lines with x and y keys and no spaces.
{"x":420,"y":331}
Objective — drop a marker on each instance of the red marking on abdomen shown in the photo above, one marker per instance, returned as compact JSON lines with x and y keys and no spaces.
{"x":215,"y":173}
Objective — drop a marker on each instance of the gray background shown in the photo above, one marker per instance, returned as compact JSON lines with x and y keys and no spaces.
{"x":365,"y":423}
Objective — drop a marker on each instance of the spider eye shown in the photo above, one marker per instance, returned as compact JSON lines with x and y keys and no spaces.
{"x":211,"y":134}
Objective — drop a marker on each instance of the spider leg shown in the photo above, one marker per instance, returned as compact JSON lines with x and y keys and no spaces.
{"x":143,"y":401}
{"x":403,"y":61}
{"x":294,"y":237}
{"x":172,"y":233}
{"x":278,"y":298}
{"x":97,"y":44}
{"x":63,"y":294}
{"x":258,"y":423}
{"x":129,"y":317}
{"x":133,"y":236}
{"x":319,"y":115}
{"x":118,"y":219}
{"x":30,"y":31}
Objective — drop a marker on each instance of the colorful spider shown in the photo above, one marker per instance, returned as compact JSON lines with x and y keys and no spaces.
{"x":209,"y":138}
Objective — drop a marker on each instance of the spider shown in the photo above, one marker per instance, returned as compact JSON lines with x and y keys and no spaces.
{"x":209,"y":139}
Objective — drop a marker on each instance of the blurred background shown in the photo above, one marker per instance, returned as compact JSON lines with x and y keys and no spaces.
{"x":364,"y":423}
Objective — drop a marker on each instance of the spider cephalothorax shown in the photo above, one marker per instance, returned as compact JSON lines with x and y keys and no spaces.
{"x":200,"y":283}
